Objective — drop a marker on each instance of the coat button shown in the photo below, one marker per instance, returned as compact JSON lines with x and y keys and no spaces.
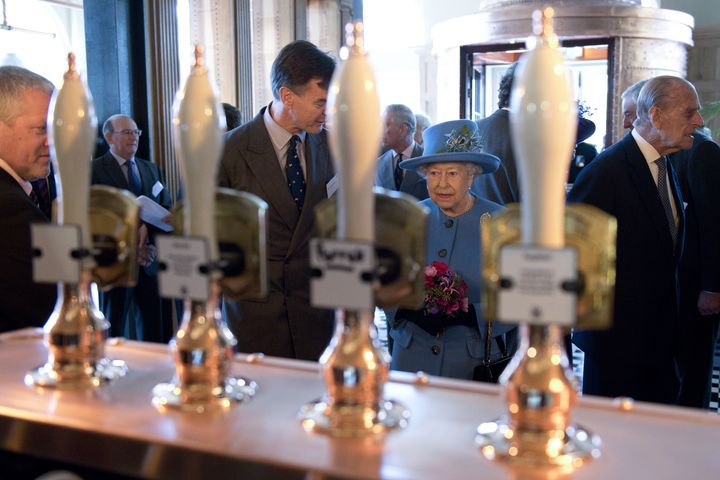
{"x":448,"y":223}
{"x":435,"y":349}
{"x":442,"y":253}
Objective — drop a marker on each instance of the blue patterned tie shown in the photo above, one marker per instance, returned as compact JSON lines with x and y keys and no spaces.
{"x":294,"y":173}
{"x":398,"y":172}
{"x":665,"y":197}
{"x":133,"y":180}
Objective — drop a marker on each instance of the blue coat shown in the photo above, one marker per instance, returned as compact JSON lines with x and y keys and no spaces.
{"x":455,"y":241}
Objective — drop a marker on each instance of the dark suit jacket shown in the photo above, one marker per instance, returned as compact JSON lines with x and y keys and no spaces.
{"x":699,"y":174}
{"x":283,"y":324}
{"x":502,"y":186}
{"x":643,"y":334}
{"x":23,"y":303}
{"x":106,"y":171}
{"x":412,"y":183}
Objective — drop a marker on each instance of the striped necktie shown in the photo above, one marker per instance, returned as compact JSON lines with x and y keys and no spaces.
{"x":665,"y":196}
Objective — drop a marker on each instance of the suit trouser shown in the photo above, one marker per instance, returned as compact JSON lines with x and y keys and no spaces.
{"x":646,"y":379}
{"x":697,"y":338}
{"x":117,"y":303}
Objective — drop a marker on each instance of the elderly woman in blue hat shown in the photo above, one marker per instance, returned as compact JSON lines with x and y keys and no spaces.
{"x":446,"y":336}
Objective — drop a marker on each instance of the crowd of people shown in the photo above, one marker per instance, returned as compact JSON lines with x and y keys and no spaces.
{"x":659,"y":181}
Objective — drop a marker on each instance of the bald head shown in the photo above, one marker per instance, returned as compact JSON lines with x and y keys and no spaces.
{"x":123,"y":136}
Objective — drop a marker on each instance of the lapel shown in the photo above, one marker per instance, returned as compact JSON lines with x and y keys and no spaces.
{"x":410,"y":178}
{"x":647,"y":190}
{"x":679,"y":206}
{"x":262,"y":161}
{"x":12,"y":185}
{"x":147,"y":177}
{"x":114,"y":172}
{"x":387,"y":179}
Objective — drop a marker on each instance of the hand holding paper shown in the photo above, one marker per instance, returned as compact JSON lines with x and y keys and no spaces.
{"x":154,"y":214}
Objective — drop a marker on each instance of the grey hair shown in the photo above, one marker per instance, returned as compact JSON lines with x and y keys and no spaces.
{"x":633,"y":90}
{"x":14,"y":82}
{"x":108,"y":125}
{"x":402,"y":115}
{"x":473,"y":169}
{"x":657,"y":92}
{"x":422,"y":121}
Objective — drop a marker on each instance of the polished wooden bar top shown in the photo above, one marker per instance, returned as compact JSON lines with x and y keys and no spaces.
{"x":116,"y":428}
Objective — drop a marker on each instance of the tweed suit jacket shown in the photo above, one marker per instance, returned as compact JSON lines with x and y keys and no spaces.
{"x":283,"y":324}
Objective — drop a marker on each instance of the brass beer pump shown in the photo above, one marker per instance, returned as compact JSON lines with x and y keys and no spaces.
{"x":539,"y":386}
{"x":203,"y":346}
{"x":76,"y":331}
{"x":353,"y":366}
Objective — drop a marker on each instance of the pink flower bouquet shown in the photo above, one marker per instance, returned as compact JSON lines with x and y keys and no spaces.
{"x":445,"y":291}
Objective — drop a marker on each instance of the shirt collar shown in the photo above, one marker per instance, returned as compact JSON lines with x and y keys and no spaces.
{"x":26,"y":186}
{"x":278,"y":135}
{"x":407,"y":153}
{"x":121,"y":161}
{"x":646,"y":149}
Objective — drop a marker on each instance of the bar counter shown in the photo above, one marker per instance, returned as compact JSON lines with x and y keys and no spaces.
{"x":116,"y":429}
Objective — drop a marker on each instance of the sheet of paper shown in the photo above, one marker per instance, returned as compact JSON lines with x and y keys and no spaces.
{"x":153,"y":213}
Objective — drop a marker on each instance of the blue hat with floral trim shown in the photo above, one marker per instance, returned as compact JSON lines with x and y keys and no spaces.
{"x":453,"y":141}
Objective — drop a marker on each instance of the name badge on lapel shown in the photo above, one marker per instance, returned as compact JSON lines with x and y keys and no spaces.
{"x":332,"y":186}
{"x":157,"y":188}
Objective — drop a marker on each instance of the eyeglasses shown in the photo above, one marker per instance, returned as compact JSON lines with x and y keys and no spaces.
{"x":128,"y":131}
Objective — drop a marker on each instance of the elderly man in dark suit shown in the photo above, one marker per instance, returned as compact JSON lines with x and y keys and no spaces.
{"x":120,"y":168}
{"x":698,"y":170}
{"x":24,"y":157}
{"x":633,"y":181}
{"x":282,"y":156}
{"x":398,"y":137}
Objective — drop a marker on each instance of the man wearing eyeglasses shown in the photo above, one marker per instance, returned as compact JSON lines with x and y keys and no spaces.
{"x":120,"y":168}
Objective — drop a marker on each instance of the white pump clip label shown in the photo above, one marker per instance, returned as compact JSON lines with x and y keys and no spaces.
{"x":342,"y":274}
{"x":538,"y":285}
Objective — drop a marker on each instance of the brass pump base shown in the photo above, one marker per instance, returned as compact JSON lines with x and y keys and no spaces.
{"x":570,"y":449}
{"x":235,"y":390}
{"x":102,"y":372}
{"x":353,"y":420}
